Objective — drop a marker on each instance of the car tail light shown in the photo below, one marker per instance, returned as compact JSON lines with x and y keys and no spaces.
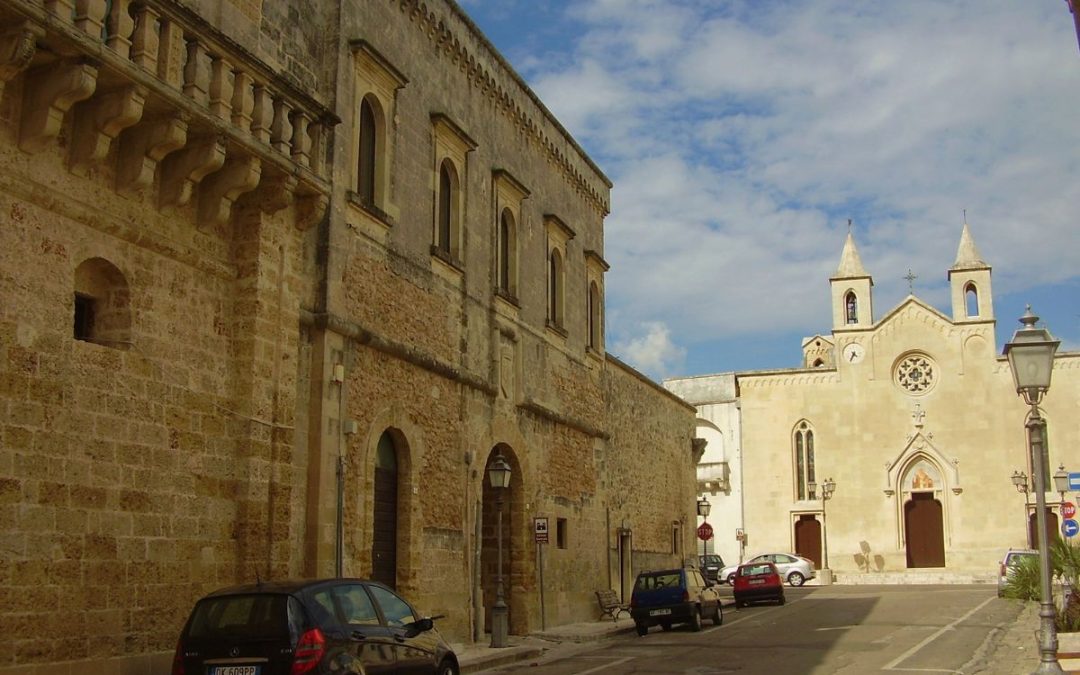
{"x":309,"y":651}
{"x":178,"y":658}
{"x":686,"y":596}
{"x":1002,"y":572}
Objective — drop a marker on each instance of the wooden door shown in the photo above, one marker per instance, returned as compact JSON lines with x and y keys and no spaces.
{"x":924,"y":527}
{"x":808,"y":538}
{"x":384,"y":530}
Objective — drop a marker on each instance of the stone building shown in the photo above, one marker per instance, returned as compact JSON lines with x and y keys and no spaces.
{"x":914,"y":416}
{"x":279,"y":280}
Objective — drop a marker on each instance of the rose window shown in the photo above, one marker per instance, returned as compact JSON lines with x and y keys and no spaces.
{"x":916,"y":373}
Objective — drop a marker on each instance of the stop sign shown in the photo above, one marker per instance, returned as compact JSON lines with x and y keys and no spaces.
{"x":1068,"y":510}
{"x":704,"y":532}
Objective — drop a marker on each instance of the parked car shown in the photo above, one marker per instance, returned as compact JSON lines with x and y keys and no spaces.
{"x":794,"y":569}
{"x":310,"y":627}
{"x":710,"y":565}
{"x":674,"y":596}
{"x":757,"y":581}
{"x":1013,"y":557}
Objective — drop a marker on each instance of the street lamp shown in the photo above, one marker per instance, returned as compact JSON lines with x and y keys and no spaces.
{"x":827,"y":489}
{"x":499,"y":475}
{"x":1031,"y":358}
{"x":1020,"y":482}
{"x":703,"y":509}
{"x":1061,"y":481}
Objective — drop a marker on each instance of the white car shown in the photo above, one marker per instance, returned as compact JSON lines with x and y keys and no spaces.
{"x":794,"y":569}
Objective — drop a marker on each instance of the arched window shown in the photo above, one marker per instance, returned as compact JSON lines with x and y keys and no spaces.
{"x":594,"y":315}
{"x":507,"y":253}
{"x":971,"y":300}
{"x":818,"y":363}
{"x":367,"y":154}
{"x":447,"y":217}
{"x":851,"y":308}
{"x":102,"y":304}
{"x":555,"y":288}
{"x":803,"y":448}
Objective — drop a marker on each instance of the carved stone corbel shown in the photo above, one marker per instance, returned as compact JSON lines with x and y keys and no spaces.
{"x":182,"y":170}
{"x":276,"y":193}
{"x":221,"y":189}
{"x":99,"y":121}
{"x":18,"y":44}
{"x":50,"y":92}
{"x":310,"y":210}
{"x":142,"y":147}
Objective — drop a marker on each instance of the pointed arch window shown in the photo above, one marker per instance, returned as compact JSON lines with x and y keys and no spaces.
{"x":507,"y":253}
{"x":555,"y":288}
{"x":971,"y":300}
{"x":851,"y":308}
{"x":367,"y":154}
{"x":803,"y":449}
{"x":594,"y":316}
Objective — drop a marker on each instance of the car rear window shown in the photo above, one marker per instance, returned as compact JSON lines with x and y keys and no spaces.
{"x":648,"y":582}
{"x":752,"y":570}
{"x":256,"y":616}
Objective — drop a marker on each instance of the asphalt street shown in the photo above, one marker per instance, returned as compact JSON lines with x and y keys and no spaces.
{"x":839,"y":630}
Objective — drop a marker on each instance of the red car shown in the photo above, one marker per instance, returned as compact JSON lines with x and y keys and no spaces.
{"x":758,"y":581}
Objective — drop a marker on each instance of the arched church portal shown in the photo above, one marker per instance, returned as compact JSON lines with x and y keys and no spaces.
{"x":922,"y":489}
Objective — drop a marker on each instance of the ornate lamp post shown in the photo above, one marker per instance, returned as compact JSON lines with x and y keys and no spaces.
{"x":827,"y":489}
{"x":1061,"y":481}
{"x":1031,"y":358}
{"x":499,"y":475}
{"x":703,"y":509}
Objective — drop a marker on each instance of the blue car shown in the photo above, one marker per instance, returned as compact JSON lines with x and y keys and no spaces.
{"x":673,"y":596}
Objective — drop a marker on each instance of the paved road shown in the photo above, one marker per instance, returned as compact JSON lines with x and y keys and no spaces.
{"x":839,"y":630}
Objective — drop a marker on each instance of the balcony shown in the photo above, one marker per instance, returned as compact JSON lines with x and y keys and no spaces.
{"x":184,"y":103}
{"x":713,"y":477}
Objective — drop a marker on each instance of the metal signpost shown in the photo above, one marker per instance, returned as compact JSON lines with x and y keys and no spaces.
{"x":540,"y":534}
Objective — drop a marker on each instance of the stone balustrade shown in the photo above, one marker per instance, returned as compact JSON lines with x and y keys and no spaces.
{"x":210,"y":120}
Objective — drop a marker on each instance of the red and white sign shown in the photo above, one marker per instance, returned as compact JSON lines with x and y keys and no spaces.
{"x":1068,"y":510}
{"x":704,"y":532}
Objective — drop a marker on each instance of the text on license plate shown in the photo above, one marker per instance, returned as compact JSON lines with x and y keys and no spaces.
{"x":659,"y":612}
{"x":755,"y":582}
{"x":235,"y":670}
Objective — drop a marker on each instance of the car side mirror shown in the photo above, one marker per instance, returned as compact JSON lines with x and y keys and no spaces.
{"x":419,"y":626}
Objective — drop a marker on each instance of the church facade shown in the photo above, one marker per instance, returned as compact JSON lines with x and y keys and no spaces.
{"x":913,"y":417}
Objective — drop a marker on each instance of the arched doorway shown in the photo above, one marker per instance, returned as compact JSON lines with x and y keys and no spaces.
{"x":808,"y":538}
{"x":514,"y":570}
{"x":924,"y":529}
{"x":1052,"y":530}
{"x":385,"y":510}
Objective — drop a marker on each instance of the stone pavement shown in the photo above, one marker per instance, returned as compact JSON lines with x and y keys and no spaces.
{"x":1011,"y":649}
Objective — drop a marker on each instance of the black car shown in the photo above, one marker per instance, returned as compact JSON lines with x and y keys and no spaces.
{"x":710,"y":565}
{"x":673,"y":596}
{"x":340,"y":626}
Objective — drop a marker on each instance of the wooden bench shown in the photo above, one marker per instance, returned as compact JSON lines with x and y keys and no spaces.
{"x":610,"y":605}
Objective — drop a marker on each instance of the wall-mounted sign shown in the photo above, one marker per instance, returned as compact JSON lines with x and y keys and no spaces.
{"x":540,"y":530}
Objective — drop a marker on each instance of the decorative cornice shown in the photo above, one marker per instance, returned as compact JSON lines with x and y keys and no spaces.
{"x":504,"y":99}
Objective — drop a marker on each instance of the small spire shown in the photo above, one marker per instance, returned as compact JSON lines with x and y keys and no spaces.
{"x":967,"y":256}
{"x":850,"y":263}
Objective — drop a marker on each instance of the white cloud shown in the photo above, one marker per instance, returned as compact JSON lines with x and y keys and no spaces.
{"x":741,"y":135}
{"x":651,"y":350}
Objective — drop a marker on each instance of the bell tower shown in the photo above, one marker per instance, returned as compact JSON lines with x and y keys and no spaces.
{"x":969,"y":281}
{"x":852,"y":300}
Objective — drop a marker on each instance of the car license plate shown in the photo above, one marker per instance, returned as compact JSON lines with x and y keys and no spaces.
{"x":755,"y":582}
{"x":235,"y":670}
{"x":659,"y":612}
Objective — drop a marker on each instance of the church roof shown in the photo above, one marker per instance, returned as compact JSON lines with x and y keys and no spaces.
{"x":967,"y":256}
{"x":850,"y":263}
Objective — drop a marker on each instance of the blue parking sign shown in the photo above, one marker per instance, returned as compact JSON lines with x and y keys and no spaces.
{"x":1070,"y":527}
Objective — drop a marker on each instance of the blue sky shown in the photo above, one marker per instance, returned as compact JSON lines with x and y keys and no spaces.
{"x":741,"y":135}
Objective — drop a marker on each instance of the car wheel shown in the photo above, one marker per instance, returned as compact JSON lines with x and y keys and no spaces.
{"x":739,"y":604}
{"x":665,"y":625}
{"x":641,"y":628}
{"x":796,"y":579}
{"x":718,"y":615}
{"x":731,"y":579}
{"x":447,"y":667}
{"x":695,"y":619}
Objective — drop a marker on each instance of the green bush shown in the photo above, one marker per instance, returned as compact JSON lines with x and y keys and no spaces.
{"x":1024,"y":582}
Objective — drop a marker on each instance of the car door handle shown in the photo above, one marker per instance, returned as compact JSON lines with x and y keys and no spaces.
{"x":357,"y":635}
